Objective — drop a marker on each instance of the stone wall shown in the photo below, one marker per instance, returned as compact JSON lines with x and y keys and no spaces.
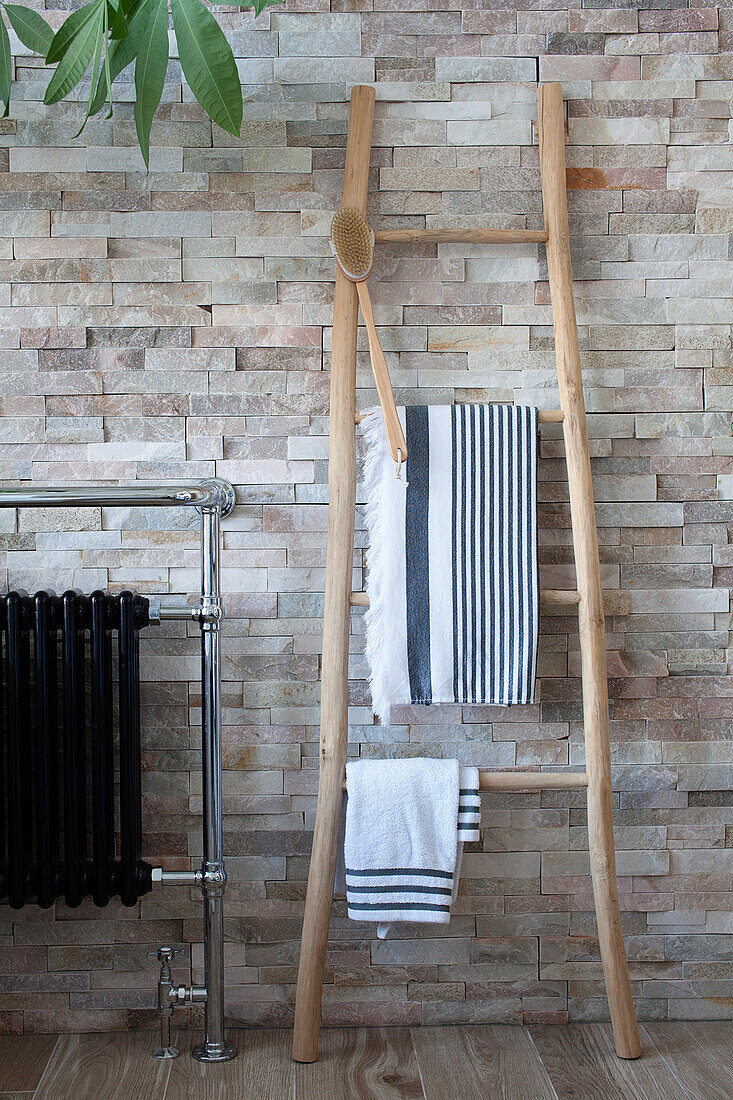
{"x":177,"y":324}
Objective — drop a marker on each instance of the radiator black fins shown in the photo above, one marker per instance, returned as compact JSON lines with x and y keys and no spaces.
{"x":60,"y":751}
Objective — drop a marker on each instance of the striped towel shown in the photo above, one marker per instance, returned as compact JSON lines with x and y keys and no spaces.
{"x":406,"y":823}
{"x":469,"y":806}
{"x":453,"y":583}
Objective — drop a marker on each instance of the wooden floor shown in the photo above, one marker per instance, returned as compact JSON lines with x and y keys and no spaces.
{"x":680,"y":1060}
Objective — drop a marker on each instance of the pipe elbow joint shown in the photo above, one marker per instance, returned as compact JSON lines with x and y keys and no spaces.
{"x":214,"y":878}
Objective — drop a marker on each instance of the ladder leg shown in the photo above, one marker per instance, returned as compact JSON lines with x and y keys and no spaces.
{"x":590,"y":609}
{"x":337,"y":606}
{"x":600,"y":835}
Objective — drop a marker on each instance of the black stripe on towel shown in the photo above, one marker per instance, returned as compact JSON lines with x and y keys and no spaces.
{"x":526,"y":632}
{"x":473,"y":551}
{"x":532,"y":578}
{"x":521,"y":580}
{"x":417,"y":575}
{"x":398,"y":905}
{"x":404,"y":889}
{"x":482,"y":550}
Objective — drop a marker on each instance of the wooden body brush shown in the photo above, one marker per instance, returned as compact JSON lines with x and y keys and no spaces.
{"x":352,"y":242}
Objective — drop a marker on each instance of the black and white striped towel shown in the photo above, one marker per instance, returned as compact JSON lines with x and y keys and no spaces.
{"x":406,"y":824}
{"x":453,"y":581}
{"x":469,"y":806}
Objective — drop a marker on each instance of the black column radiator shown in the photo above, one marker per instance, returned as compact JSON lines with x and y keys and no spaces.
{"x":64,"y":833}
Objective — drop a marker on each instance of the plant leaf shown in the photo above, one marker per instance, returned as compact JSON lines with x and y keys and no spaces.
{"x":258,"y":5}
{"x":6,"y":67}
{"x":69,"y":29}
{"x":208,"y":63}
{"x":33,"y":31}
{"x":78,"y":54}
{"x":117,"y":21}
{"x":151,"y":65}
{"x":121,"y":55}
{"x":99,"y":45}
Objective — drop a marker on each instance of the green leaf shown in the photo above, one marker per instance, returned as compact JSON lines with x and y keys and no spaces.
{"x":121,"y":55}
{"x":78,"y":54}
{"x":208,"y":63}
{"x":258,"y":5}
{"x":150,"y":69}
{"x":117,"y":21}
{"x":99,"y":46}
{"x":68,"y":30}
{"x":33,"y":31}
{"x":6,"y":67}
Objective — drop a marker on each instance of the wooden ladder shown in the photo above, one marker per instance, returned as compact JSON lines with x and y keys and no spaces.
{"x":588,"y":599}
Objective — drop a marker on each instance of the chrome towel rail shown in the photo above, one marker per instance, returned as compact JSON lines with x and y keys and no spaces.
{"x":213,"y":499}
{"x":215,"y":493}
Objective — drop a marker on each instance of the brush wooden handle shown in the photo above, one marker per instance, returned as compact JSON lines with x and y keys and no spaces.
{"x":392,"y":422}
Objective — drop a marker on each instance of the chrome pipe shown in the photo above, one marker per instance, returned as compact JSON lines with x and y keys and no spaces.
{"x":215,"y":1047}
{"x":176,"y":878}
{"x":188,"y":994}
{"x":213,"y":499}
{"x":166,"y":955}
{"x":214,"y":493}
{"x":158,"y":613}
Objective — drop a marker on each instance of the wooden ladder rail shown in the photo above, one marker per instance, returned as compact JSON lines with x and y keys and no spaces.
{"x":337,"y":606}
{"x":588,"y":571}
{"x":339,"y":598}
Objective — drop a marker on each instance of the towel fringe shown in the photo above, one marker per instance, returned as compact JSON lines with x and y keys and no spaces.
{"x":373,"y":466}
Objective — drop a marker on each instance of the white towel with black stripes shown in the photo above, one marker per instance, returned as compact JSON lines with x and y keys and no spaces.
{"x":406,"y":823}
{"x":453,"y":580}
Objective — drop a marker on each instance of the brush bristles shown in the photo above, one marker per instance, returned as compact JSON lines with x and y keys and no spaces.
{"x":353,"y":243}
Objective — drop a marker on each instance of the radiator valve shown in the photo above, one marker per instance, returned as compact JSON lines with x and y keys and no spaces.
{"x":167,"y":994}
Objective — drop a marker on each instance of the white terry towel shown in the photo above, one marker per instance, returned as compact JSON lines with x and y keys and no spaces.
{"x":406,"y":821}
{"x":453,"y":580}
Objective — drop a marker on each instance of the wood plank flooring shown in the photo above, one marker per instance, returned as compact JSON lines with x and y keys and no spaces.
{"x":700,"y":1057}
{"x":681,"y":1061}
{"x":374,"y":1062}
{"x":581,"y":1062}
{"x":489,"y":1061}
{"x":23,"y":1059}
{"x":114,"y":1066}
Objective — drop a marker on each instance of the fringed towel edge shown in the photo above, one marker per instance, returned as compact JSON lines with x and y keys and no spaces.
{"x":376,"y":449}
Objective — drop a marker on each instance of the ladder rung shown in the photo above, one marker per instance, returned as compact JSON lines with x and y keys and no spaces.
{"x":550,"y":416}
{"x":558,"y":599}
{"x":552,"y":599}
{"x":463,"y":236}
{"x":530,"y":781}
{"x":544,"y":416}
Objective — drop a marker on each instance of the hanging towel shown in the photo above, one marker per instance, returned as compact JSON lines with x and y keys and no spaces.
{"x":400,"y":839}
{"x":453,"y":582}
{"x":406,"y":823}
{"x":469,"y":806}
{"x":469,"y":817}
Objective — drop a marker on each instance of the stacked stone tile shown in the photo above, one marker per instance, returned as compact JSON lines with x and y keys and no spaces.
{"x":177,"y":324}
